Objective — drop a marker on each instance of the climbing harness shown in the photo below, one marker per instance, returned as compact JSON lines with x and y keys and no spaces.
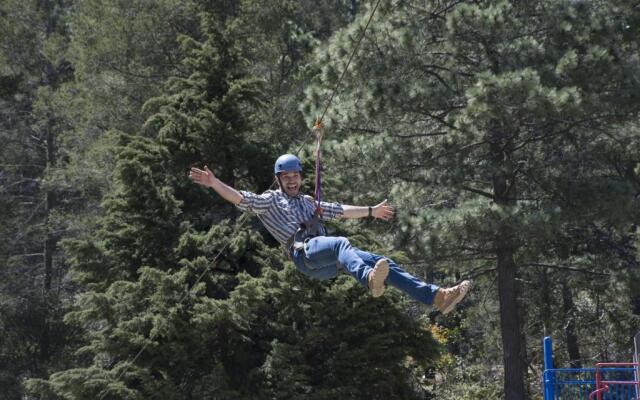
{"x":308,"y":229}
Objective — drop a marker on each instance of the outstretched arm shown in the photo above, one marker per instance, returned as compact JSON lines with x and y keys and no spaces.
{"x":206,"y":178}
{"x":383,"y":211}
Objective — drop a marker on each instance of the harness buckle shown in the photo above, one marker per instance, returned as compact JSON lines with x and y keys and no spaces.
{"x":308,"y":229}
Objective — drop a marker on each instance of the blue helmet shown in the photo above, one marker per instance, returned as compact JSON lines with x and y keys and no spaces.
{"x":287,"y":163}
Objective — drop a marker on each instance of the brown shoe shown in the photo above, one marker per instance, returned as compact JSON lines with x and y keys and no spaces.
{"x":377,"y":277}
{"x":446,"y":299}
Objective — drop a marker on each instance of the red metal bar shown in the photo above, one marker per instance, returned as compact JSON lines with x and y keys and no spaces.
{"x":605,"y":384}
{"x":598,"y":392}
{"x":616,"y":364}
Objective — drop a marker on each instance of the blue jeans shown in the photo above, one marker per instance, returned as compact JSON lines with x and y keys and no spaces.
{"x":323,"y":254}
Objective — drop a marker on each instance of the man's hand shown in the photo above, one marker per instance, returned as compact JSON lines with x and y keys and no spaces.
{"x":202,"y":177}
{"x":383,"y":211}
{"x":206,"y":178}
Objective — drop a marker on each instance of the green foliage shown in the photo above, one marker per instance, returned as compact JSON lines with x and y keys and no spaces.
{"x":318,"y":346}
{"x":505,"y":132}
{"x":499,"y":130}
{"x":122,"y":53}
{"x":33,"y":292}
{"x":179,"y":301}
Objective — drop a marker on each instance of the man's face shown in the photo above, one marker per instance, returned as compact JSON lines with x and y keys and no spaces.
{"x":291,"y":182}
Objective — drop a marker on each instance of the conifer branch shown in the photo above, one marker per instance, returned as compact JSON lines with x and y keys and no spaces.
{"x":474,"y":273}
{"x":22,"y":255}
{"x":567,"y":268}
{"x":478,"y":191}
{"x":418,"y":135}
{"x":437,"y":14}
{"x":363,"y":130}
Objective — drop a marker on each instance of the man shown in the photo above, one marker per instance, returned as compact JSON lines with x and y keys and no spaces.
{"x":283,"y":211}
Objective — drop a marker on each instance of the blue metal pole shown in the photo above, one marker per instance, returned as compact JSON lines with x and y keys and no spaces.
{"x":548,"y":375}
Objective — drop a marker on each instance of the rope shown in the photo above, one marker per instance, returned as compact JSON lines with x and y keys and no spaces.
{"x":244,"y":217}
{"x":318,"y":124}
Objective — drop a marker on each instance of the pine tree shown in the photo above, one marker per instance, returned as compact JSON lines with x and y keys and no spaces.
{"x":184,"y":299}
{"x":137,"y":249}
{"x":504,"y":131}
{"x":32,"y":293}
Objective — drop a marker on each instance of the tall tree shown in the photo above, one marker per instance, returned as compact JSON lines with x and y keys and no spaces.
{"x":32,"y":71}
{"x":162,"y":321}
{"x":509,"y":118}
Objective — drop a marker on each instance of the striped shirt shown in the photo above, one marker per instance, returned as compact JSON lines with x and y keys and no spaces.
{"x":282,"y":214}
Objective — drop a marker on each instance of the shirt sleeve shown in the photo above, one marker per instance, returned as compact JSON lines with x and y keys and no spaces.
{"x":256,"y":203}
{"x":329,"y":210}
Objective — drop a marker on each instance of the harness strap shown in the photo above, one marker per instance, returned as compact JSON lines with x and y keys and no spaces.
{"x":308,"y":229}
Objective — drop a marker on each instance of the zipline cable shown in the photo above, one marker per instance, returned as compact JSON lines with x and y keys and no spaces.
{"x":244,"y":217}
{"x":318,"y":124}
{"x":335,"y":89}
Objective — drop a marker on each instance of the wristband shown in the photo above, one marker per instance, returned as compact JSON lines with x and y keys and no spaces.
{"x":369,"y":211}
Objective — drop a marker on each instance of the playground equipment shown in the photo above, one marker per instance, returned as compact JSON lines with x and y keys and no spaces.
{"x":607,"y":381}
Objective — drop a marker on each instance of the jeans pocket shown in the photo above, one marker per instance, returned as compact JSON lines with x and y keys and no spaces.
{"x":319,"y":253}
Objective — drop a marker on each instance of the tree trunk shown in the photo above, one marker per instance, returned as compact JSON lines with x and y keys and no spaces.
{"x":49,"y":76}
{"x":50,"y":243}
{"x":570,"y":328}
{"x":512,"y":340}
{"x":513,"y":358}
{"x":545,"y":302}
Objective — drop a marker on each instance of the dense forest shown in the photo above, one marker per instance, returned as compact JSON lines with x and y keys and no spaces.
{"x":506,"y":134}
